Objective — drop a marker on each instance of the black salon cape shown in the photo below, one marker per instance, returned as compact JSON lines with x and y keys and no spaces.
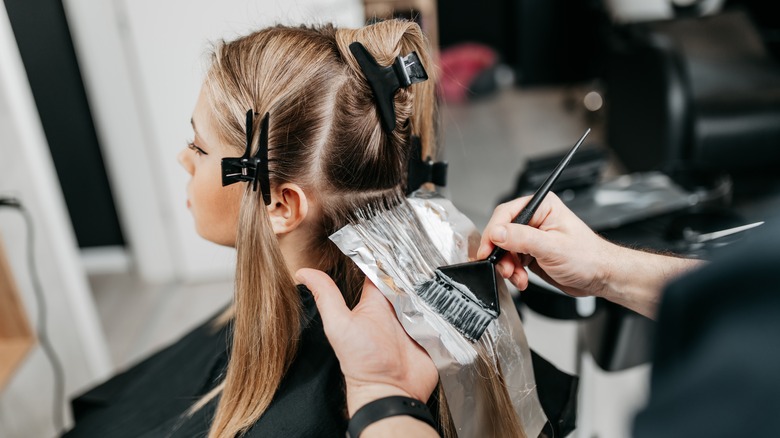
{"x":716,"y":370}
{"x":151,"y":398}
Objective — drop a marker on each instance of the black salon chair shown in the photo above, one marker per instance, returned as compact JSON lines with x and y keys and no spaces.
{"x":693,"y":94}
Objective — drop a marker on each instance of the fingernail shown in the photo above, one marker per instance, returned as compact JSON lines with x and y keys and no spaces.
{"x":498,"y":234}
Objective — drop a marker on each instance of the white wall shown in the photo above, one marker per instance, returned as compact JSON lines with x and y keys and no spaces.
{"x":143,"y":61}
{"x":26,"y":172}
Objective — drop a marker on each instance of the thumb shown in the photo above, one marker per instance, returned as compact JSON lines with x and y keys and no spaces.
{"x":373,"y":296}
{"x":327,"y":296}
{"x":521,"y":239}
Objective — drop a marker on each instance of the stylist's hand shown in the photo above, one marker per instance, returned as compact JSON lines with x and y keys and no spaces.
{"x":377,"y":357}
{"x":556,"y":245}
{"x":560,"y":248}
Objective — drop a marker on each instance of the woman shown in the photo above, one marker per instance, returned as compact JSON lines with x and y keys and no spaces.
{"x":298,"y":95}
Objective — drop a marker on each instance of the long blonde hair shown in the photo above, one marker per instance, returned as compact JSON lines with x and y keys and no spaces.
{"x":325,"y":135}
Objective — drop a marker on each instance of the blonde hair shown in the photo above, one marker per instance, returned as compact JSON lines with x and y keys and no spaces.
{"x":325,"y":135}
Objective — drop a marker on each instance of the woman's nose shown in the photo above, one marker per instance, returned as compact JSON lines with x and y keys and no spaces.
{"x":184,"y":159}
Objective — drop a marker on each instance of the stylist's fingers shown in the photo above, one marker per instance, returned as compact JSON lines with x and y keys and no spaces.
{"x":330,"y":302}
{"x":512,"y":268}
{"x":519,"y":278}
{"x":507,"y":264}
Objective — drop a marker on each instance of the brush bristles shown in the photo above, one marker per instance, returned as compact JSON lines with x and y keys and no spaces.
{"x":404,"y":251}
{"x":469,"y":317}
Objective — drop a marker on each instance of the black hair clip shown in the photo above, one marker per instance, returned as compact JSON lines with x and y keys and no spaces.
{"x":385,"y":81}
{"x":423,"y":171}
{"x":252,"y":168}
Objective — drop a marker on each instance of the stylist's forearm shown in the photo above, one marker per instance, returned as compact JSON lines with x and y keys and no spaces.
{"x":636,"y":279}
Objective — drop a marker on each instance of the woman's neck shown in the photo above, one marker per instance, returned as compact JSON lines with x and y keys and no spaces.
{"x":296,"y":248}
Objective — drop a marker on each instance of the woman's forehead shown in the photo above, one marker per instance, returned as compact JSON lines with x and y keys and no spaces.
{"x":202,"y":121}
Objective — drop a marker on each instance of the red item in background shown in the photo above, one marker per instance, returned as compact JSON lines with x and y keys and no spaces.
{"x":460,"y":65}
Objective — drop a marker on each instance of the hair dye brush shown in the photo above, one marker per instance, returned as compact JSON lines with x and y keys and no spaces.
{"x":466,"y":294}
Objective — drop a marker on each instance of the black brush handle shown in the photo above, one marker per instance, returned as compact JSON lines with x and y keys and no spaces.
{"x":527,"y":213}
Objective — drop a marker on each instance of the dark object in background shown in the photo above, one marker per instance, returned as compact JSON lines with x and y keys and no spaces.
{"x":715,"y":359}
{"x":694,"y":94}
{"x":488,"y":23}
{"x":544,"y":41}
{"x":766,"y":16}
{"x":684,"y":228}
{"x":49,"y":59}
{"x":557,"y":41}
{"x":616,"y":337}
{"x":558,"y":396}
{"x":583,"y":171}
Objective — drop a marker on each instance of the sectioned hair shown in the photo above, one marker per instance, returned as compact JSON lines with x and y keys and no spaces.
{"x":325,"y":135}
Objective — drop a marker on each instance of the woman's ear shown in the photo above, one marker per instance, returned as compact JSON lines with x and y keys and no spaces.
{"x":288,"y":208}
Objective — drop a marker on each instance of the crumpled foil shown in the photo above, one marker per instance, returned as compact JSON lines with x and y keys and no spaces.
{"x":400,"y":249}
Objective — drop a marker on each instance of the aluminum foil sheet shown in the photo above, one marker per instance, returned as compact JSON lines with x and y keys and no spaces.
{"x":399,"y":250}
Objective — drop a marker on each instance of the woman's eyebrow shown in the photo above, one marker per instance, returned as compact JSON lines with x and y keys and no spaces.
{"x":195,"y":130}
{"x":200,"y":142}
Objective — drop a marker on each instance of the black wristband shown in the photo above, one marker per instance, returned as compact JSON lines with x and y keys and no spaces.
{"x":388,"y":407}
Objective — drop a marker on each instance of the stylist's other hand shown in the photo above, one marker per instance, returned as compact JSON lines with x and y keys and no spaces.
{"x":377,"y":357}
{"x":556,"y":245}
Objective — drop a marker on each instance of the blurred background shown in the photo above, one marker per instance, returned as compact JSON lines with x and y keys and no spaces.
{"x":683,"y":97}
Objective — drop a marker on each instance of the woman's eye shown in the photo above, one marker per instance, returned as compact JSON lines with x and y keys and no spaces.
{"x":193,"y":147}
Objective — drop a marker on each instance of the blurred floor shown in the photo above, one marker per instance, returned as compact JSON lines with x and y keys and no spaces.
{"x":487,"y":143}
{"x":139,"y":318}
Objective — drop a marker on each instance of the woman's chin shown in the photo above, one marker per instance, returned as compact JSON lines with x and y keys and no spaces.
{"x":213,"y":238}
